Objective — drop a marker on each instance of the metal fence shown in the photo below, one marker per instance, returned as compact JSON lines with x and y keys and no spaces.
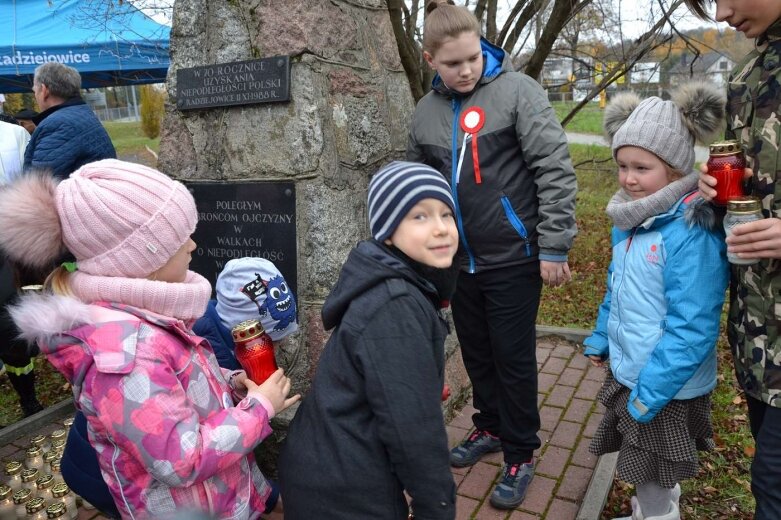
{"x":577,"y":95}
{"x":116,"y":114}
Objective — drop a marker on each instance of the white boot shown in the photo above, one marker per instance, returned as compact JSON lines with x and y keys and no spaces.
{"x":677,"y":495}
{"x":636,"y":513}
{"x":673,"y":514}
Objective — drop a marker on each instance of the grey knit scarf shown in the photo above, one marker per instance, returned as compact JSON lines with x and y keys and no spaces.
{"x":627,"y":213}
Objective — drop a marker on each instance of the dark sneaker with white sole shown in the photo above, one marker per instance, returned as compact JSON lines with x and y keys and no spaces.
{"x":471,"y":449}
{"x":511,"y":490}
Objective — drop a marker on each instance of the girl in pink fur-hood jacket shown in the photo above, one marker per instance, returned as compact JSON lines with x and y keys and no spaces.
{"x":160,"y":411}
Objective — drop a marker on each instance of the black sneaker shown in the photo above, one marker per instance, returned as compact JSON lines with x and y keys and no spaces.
{"x":473,"y":448}
{"x":509,"y":493}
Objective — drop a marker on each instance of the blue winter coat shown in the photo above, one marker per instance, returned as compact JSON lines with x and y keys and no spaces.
{"x":210,"y":326}
{"x":67,"y":137}
{"x":659,"y":320}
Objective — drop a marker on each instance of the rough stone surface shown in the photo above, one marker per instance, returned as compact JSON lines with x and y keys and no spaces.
{"x":458,"y":381}
{"x":332,"y":221}
{"x":348,"y":114}
{"x":320,"y":27}
{"x":316,"y":339}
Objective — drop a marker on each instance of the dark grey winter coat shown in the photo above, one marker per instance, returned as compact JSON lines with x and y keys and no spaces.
{"x":524,"y":207}
{"x":371,"y":425}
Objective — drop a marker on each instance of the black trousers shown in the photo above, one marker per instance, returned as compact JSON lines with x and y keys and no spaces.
{"x":765,"y":421}
{"x":495,"y":313}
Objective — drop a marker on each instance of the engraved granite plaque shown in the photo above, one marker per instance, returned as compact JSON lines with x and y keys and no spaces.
{"x":266,"y":80}
{"x":245,"y":219}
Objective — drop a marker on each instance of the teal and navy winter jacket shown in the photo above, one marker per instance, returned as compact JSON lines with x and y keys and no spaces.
{"x":659,"y":320}
{"x":524,"y":207}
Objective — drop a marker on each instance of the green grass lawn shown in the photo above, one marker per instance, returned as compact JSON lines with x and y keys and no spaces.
{"x":588,"y":120}
{"x":575,"y":304}
{"x":128,"y":138}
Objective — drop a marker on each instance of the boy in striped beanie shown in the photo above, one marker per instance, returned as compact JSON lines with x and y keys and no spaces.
{"x":371,"y":425}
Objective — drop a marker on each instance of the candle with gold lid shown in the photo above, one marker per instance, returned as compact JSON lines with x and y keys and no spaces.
{"x":49,"y":456}
{"x":59,"y":434}
{"x":54,"y":467}
{"x":7,"y":507}
{"x":41,"y":441}
{"x":34,"y":457}
{"x":254,"y":350}
{"x":29,"y":476}
{"x":36,"y":509}
{"x":21,"y":497}
{"x":13,"y":474}
{"x":58,"y":445}
{"x":62,"y":493}
{"x":44,"y":485}
{"x":727,"y":164}
{"x":68,"y":423}
{"x":56,"y":510}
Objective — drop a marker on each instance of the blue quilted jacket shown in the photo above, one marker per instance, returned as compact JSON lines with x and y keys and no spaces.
{"x":659,"y":320}
{"x":67,"y":137}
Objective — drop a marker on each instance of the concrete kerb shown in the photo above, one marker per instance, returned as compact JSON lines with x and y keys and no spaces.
{"x":36,"y":422}
{"x":602,"y":479}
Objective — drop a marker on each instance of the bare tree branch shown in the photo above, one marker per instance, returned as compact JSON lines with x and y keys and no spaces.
{"x":490,"y":23}
{"x":480,"y":8}
{"x":509,"y":21}
{"x":641,"y":47}
{"x":526,"y":16}
{"x":563,"y":11}
{"x":408,"y":52}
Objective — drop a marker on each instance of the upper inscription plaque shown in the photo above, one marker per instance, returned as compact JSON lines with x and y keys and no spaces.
{"x":266,"y":80}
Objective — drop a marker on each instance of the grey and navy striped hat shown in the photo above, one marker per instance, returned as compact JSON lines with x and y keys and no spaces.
{"x":396,"y":188}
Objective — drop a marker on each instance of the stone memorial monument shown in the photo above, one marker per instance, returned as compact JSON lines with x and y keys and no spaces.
{"x":347,"y":114}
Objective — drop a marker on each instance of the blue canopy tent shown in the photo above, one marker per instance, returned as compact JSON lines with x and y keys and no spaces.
{"x":108,"y":42}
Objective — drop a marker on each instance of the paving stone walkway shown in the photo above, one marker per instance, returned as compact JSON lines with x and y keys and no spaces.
{"x":568,"y":385}
{"x":569,"y":414}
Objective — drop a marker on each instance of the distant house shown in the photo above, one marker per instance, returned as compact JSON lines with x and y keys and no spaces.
{"x":712,"y":67}
{"x":644,"y":72}
{"x":556,"y":71}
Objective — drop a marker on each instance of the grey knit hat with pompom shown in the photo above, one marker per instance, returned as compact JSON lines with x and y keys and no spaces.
{"x":668,"y":129}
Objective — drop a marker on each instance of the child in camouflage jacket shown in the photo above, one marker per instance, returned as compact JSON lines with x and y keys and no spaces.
{"x":754,"y":326}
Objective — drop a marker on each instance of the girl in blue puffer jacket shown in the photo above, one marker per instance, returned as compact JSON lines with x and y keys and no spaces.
{"x":659,"y":321}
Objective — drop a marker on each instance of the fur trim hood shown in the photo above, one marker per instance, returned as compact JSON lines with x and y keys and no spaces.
{"x":74,"y":335}
{"x":40,"y":317}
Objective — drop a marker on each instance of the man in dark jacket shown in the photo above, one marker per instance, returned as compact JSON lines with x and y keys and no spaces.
{"x":68,"y":135}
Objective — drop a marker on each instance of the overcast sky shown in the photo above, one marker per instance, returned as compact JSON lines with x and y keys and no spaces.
{"x":637,"y":15}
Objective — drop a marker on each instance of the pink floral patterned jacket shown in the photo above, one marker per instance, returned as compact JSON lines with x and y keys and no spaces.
{"x":160,"y":412}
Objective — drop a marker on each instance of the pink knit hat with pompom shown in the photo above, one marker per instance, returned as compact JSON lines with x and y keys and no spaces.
{"x":117,"y":218}
{"x":123,"y":219}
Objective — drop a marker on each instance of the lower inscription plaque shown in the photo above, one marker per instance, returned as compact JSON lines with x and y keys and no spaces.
{"x":245,"y":219}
